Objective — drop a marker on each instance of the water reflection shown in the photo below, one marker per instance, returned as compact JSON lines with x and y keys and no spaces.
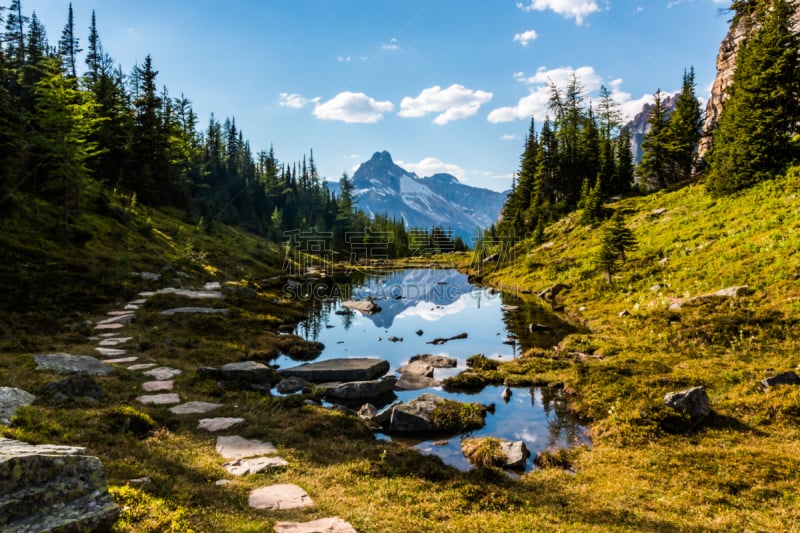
{"x":419,"y":305}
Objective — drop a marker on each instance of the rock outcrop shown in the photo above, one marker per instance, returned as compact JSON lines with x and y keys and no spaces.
{"x":46,"y":488}
{"x":355,"y":369}
{"x":740,"y":28}
{"x":694,"y":402}
{"x":10,"y":399}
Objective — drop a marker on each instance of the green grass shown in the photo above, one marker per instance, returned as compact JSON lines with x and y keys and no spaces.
{"x":648,"y":469}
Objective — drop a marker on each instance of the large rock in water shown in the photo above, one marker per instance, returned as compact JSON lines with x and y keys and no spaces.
{"x":358,"y":390}
{"x":366,"y":306}
{"x":414,"y":416}
{"x":355,"y":369}
{"x":46,"y":488}
{"x":510,"y":454}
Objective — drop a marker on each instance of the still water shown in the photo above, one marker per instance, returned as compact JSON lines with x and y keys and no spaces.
{"x":419,"y":305}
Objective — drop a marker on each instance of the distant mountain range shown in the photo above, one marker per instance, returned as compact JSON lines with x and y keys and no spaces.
{"x":382,"y":187}
{"x":638,"y":126}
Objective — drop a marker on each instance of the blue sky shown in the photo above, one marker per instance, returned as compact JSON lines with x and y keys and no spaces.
{"x":443,"y":85}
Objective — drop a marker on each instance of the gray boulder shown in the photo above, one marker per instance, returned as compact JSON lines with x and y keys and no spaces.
{"x":436,"y":361}
{"x":74,"y":387}
{"x":12,"y":398}
{"x":786,"y":378}
{"x":357,"y":390}
{"x":47,"y":488}
{"x":340,"y":370}
{"x":417,"y":368}
{"x":511,"y":454}
{"x":248,"y":372}
{"x":415,"y":382}
{"x":694,"y":402}
{"x":414,"y":416}
{"x":291,"y":385}
{"x":65,"y":363}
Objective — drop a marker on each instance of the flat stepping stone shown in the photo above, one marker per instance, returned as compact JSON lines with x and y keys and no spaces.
{"x":142,"y":366}
{"x":109,"y":326}
{"x":212,"y":286}
{"x":354,"y":369}
{"x":279,"y":497}
{"x":192,"y":408}
{"x":159,"y":399}
{"x":236,"y":447}
{"x":113,"y":341}
{"x":163,"y":372}
{"x":131,"y":307}
{"x":118,"y":313}
{"x":145,"y":295}
{"x":243,"y":467}
{"x":216,"y":424}
{"x":196,"y":310}
{"x":332,"y":524}
{"x":110,"y":352}
{"x":65,"y":363}
{"x":155,"y":386}
{"x":121,"y":360}
{"x":121,"y":319}
{"x":187,"y":293}
{"x":140,"y":301}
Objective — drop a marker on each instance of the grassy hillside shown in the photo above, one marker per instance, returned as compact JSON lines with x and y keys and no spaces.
{"x":648,"y":469}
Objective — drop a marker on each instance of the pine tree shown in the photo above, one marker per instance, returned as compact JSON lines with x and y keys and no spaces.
{"x":15,"y":35}
{"x":68,"y":46}
{"x":623,"y":176}
{"x":684,"y":129}
{"x":656,"y":167}
{"x":754,"y":139}
{"x":617,"y":240}
{"x":64,"y":119}
{"x":94,"y":54}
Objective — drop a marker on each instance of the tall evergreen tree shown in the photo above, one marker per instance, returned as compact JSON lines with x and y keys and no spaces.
{"x":684,"y":129}
{"x":656,"y":166}
{"x":94,"y":54}
{"x":68,"y":46}
{"x":760,"y":116}
{"x":15,"y":35}
{"x":623,"y":176}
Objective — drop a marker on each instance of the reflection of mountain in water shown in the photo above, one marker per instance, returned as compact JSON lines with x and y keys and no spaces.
{"x":397,"y":292}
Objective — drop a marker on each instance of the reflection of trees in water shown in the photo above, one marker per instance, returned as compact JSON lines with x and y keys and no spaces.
{"x":562,"y":426}
{"x":530,"y":312}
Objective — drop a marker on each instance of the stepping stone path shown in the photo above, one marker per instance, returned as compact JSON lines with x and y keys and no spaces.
{"x":279,"y":498}
{"x":323,"y":525}
{"x":142,"y":366}
{"x":163,"y":373}
{"x":241,"y":467}
{"x":246,"y":456}
{"x":236,"y":447}
{"x":218,"y":424}
{"x":155,"y":386}
{"x":110,"y":352}
{"x":196,"y":310}
{"x":113,"y":341}
{"x":121,"y":360}
{"x":192,"y":408}
{"x":159,"y":399}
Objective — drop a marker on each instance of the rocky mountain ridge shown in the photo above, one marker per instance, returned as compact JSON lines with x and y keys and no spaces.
{"x":381,"y":186}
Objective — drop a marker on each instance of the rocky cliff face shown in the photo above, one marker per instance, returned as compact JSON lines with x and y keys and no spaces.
{"x":726,"y":64}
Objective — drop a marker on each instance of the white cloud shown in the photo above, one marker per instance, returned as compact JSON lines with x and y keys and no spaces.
{"x":430,"y":166}
{"x":509,"y":137}
{"x":576,"y":9}
{"x":391,"y":45}
{"x":525,"y":37}
{"x":537,"y":103}
{"x":295,"y":100}
{"x":353,"y":108}
{"x":343,"y":59}
{"x":454,"y":103}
